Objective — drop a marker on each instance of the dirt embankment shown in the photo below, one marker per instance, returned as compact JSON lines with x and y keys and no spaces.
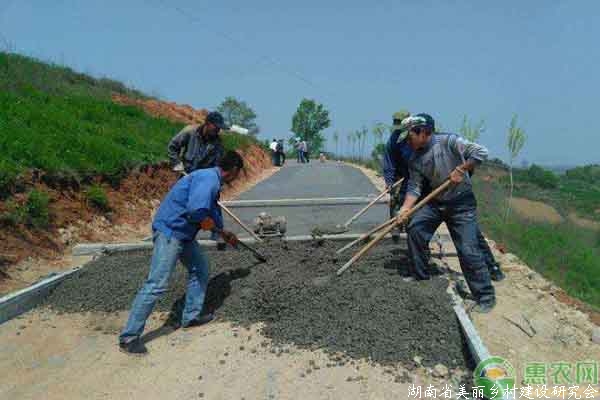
{"x":73,"y":219}
{"x":173,"y":111}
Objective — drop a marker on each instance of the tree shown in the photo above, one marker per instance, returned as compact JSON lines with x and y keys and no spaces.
{"x":471,"y":133}
{"x":516,"y":141}
{"x":379,"y":130}
{"x":238,"y":112}
{"x":336,"y":139}
{"x":378,"y":152}
{"x":308,"y":122}
{"x":349,"y":142}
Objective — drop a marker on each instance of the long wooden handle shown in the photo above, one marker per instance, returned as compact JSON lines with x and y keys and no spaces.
{"x":366,"y":235}
{"x":397,"y":222}
{"x":240,"y":223}
{"x":372,"y":243}
{"x":361,"y":212}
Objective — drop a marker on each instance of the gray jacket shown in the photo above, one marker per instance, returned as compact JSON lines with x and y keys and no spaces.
{"x":190,"y":147}
{"x":434,"y":163}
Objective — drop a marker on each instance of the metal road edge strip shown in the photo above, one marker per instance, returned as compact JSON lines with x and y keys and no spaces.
{"x":16,"y":303}
{"x":478,"y":350}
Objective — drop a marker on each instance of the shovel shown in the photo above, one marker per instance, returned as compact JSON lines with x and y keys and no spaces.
{"x":396,"y":222}
{"x":342,"y":228}
{"x":256,"y":253}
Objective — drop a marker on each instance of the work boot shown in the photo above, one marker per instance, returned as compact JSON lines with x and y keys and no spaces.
{"x":496,"y":273}
{"x":463,"y":291}
{"x":484,"y":306}
{"x":201,"y":320}
{"x":134,"y":347}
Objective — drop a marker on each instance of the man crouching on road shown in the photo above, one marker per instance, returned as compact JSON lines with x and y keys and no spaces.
{"x":189,"y":206}
{"x":437,"y":157}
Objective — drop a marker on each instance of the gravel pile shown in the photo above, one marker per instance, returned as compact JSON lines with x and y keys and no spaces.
{"x":369,"y":312}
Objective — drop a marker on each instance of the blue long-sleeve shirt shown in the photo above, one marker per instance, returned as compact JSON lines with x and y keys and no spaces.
{"x":193,"y":198}
{"x":395,"y":161}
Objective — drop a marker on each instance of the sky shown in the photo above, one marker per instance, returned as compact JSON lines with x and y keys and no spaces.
{"x":362,"y":60}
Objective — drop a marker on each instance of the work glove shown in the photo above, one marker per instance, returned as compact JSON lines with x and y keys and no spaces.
{"x":178,"y":167}
{"x":230,"y":238}
{"x":207,"y":224}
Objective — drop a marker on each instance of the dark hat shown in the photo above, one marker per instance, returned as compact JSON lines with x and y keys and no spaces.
{"x":397,"y":119}
{"x":216,"y":119}
{"x":419,"y":120}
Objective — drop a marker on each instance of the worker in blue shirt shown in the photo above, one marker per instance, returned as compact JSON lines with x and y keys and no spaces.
{"x":189,"y":206}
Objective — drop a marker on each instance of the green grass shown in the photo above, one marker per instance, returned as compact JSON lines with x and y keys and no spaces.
{"x":565,"y":254}
{"x":64,"y":123}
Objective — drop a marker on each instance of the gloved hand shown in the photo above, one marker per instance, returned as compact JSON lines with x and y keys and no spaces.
{"x":230,"y":238}
{"x":179,"y":167}
{"x":207,"y":224}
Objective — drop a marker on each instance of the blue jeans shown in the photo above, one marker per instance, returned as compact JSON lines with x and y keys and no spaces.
{"x":300,"y":156}
{"x":461,"y":219}
{"x":164,"y":258}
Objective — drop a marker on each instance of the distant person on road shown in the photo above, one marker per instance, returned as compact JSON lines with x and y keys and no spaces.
{"x":435,"y":158}
{"x":395,"y":166}
{"x":189,"y":206}
{"x":299,"y":151}
{"x":305,"y":151}
{"x":280,"y":152}
{"x":274,"y":155}
{"x":197,"y":146}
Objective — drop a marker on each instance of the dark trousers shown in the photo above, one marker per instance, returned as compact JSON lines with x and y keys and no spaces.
{"x":488,"y":256}
{"x":461,"y":219}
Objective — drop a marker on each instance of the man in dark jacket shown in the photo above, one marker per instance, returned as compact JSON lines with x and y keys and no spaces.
{"x":198,"y":146}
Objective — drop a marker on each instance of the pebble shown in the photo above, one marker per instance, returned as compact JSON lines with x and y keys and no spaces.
{"x":440,"y":371}
{"x":596,"y":335}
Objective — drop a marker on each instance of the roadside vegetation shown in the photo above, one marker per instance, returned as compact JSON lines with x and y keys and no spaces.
{"x":60,"y":131}
{"x":64,"y":123}
{"x":565,"y":253}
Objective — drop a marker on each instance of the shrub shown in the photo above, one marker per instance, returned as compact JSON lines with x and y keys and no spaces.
{"x":36,"y":209}
{"x":8,"y":175}
{"x":96,"y":196}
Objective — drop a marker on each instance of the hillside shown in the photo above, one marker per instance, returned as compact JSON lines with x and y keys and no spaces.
{"x":82,"y":154}
{"x":551,"y":225}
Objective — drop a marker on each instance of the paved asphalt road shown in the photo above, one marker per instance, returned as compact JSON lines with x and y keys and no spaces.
{"x":312,"y":180}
